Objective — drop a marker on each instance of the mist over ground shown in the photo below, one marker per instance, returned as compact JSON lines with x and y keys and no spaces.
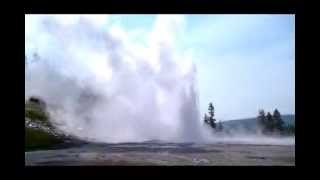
{"x":102,"y":86}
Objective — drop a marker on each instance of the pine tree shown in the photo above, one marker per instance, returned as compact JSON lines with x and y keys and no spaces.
{"x":205,"y":118}
{"x":269,"y":123}
{"x":211,"y":117}
{"x":277,"y":120}
{"x":262,"y":120}
{"x":211,"y":110}
{"x":210,"y":120}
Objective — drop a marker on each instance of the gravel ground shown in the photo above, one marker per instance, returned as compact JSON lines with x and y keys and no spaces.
{"x":166,"y":154}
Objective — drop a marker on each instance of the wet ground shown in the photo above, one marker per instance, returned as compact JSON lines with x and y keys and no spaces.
{"x":165,"y":154}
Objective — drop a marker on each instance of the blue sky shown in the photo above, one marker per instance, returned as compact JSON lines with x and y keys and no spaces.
{"x":244,"y":62}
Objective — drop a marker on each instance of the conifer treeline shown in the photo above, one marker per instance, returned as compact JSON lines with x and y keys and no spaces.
{"x":267,"y":123}
{"x":270,"y":124}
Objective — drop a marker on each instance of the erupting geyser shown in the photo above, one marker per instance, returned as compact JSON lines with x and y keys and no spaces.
{"x":102,"y":86}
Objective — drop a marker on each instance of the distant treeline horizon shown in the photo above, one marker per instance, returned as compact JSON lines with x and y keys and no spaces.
{"x":252,"y":117}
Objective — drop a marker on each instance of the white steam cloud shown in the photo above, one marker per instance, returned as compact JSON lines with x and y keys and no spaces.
{"x":102,"y":86}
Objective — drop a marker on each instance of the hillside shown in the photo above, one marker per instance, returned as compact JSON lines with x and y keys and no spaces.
{"x":250,"y":124}
{"x":39,"y":132}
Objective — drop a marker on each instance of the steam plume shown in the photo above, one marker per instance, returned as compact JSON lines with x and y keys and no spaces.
{"x":101,"y":86}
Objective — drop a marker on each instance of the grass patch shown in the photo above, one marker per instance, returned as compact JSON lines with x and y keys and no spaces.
{"x":36,"y":113}
{"x":36,"y":139}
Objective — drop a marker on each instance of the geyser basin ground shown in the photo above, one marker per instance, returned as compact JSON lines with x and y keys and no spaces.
{"x":165,"y":154}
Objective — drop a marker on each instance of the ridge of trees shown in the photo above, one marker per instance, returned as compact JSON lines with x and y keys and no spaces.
{"x":273,"y":123}
{"x":268,"y":123}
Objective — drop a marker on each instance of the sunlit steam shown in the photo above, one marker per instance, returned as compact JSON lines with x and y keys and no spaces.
{"x":101,"y":86}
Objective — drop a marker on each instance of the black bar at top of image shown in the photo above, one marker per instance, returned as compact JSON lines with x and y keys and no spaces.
{"x":168,"y":7}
